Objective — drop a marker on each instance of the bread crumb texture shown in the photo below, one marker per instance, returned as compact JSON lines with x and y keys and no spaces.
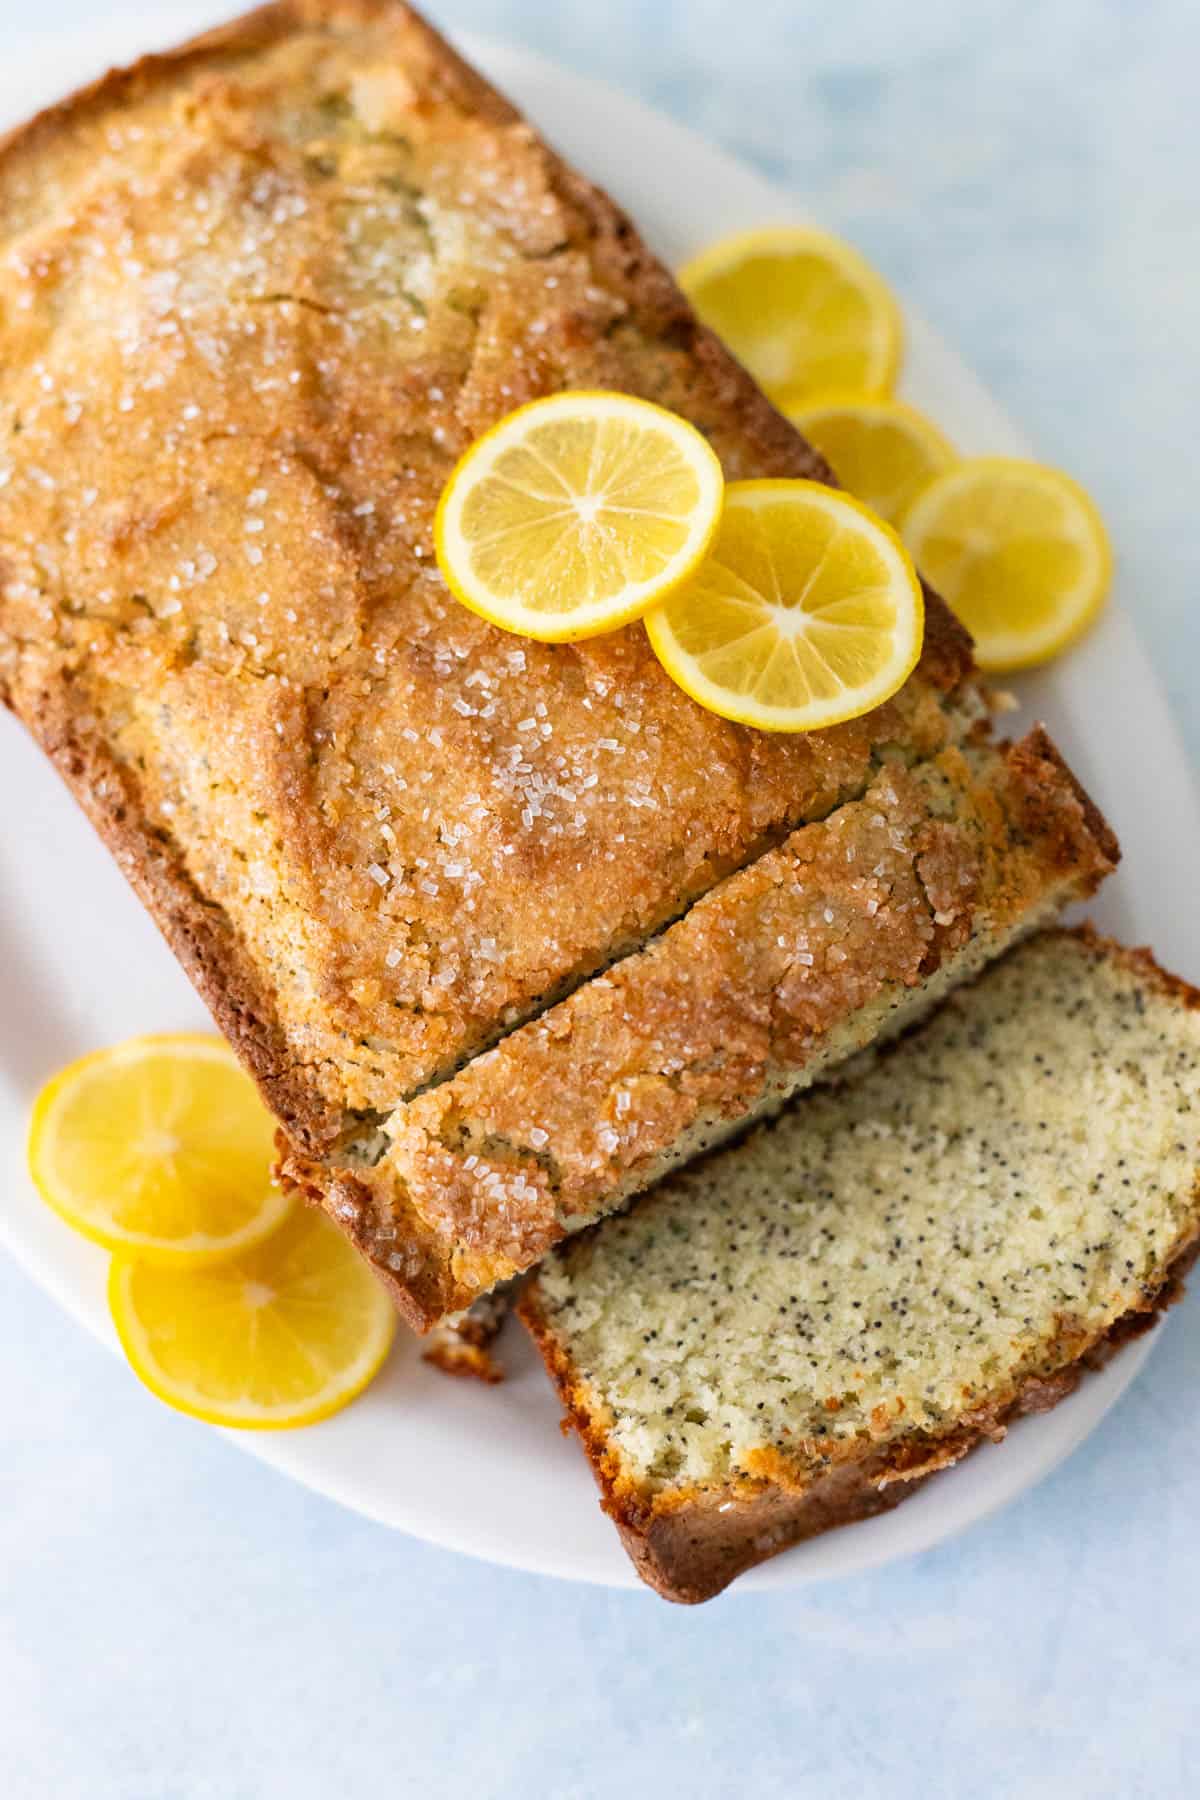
{"x":898,"y":1255}
{"x":256,"y":298}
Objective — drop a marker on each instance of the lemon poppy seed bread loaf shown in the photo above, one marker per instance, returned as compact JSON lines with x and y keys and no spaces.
{"x":256,"y":297}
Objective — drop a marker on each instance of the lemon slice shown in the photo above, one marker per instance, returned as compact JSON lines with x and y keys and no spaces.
{"x":283,"y":1335}
{"x":883,"y":451}
{"x":806,"y":611}
{"x":576,"y":513}
{"x":1018,"y":550}
{"x":159,"y":1146}
{"x":802,"y":310}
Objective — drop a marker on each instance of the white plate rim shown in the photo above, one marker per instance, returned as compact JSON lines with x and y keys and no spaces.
{"x":989,"y":1480}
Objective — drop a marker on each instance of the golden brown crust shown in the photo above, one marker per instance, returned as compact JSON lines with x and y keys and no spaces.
{"x":808,"y":953}
{"x":690,"y":1543}
{"x":270,"y":808}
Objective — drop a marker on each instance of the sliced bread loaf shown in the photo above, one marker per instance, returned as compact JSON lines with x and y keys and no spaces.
{"x":793,"y":1334}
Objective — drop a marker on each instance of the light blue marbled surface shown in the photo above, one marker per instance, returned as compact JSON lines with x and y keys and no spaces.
{"x":176,"y":1621}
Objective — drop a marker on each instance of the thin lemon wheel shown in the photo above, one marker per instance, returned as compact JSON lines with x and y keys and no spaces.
{"x":882,"y":451}
{"x":806,"y":611}
{"x":1018,"y":550}
{"x":158,"y":1146}
{"x":802,"y":310}
{"x":282,"y":1336}
{"x":576,"y":513}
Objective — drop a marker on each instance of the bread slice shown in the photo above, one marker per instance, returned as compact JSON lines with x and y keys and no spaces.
{"x":256,"y":297}
{"x":795,"y":1333}
{"x":851,"y":929}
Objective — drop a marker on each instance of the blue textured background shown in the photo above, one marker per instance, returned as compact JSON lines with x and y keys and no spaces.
{"x":177,"y":1622}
